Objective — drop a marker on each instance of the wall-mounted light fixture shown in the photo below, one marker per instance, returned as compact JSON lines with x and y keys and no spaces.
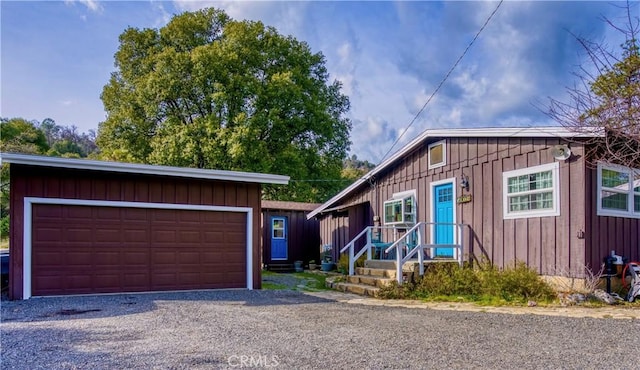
{"x":464,"y":182}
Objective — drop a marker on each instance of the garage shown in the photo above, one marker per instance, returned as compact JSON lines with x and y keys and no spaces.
{"x":93,"y":227}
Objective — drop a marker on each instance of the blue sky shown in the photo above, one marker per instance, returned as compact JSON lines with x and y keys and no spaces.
{"x":57,"y":55}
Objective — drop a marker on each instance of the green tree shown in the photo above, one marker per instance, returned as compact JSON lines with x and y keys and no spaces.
{"x":30,"y":137}
{"x":17,"y":135}
{"x":607,"y":100}
{"x":21,"y":136}
{"x":209,"y":92}
{"x":68,"y":142}
{"x":353,"y":168}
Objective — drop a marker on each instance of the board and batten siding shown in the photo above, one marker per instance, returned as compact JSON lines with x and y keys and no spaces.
{"x":46,"y":182}
{"x":549,"y":245}
{"x":606,"y":233}
{"x":303,"y":235}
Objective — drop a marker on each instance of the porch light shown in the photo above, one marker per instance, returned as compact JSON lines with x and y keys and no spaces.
{"x":464,"y":182}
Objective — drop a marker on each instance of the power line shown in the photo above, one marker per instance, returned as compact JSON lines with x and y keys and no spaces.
{"x":443,"y":81}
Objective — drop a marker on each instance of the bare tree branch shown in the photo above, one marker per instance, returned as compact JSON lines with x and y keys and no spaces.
{"x":606,"y":97}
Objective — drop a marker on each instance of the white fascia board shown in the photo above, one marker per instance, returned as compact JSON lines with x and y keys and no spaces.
{"x":502,"y":132}
{"x":542,"y":131}
{"x":147,"y":169}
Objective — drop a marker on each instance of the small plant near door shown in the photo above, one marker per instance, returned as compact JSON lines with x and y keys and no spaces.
{"x":327,"y":259}
{"x":312,"y":265}
{"x":343,"y":263}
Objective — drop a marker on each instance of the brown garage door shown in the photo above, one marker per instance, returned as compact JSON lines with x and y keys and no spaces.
{"x":88,"y":249}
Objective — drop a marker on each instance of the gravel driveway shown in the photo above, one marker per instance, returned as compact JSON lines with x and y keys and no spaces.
{"x":294,"y":330}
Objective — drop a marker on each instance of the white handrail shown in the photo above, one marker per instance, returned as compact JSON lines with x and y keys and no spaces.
{"x":401,"y":242}
{"x":400,"y":261}
{"x":367,"y":248}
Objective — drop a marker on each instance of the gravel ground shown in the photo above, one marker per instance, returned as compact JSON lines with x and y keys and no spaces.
{"x":294,"y":330}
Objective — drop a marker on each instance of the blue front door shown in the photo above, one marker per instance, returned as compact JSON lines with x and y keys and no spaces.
{"x":443,"y":213}
{"x":278,"y":238}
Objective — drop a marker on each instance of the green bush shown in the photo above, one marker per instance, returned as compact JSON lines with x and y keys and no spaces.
{"x":4,"y":227}
{"x":522,"y":283}
{"x":343,"y":262}
{"x":448,"y":281}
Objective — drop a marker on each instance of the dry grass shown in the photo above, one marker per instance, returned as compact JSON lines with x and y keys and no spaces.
{"x":568,"y":281}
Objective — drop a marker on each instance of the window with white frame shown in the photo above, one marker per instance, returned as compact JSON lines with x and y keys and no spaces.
{"x":531,"y":192}
{"x":401,"y":208}
{"x":618,"y":191}
{"x":438,"y":154}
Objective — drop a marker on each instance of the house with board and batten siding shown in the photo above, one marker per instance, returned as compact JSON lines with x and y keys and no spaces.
{"x":497,"y":194}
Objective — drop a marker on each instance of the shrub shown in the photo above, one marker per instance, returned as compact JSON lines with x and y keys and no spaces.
{"x":448,"y":281}
{"x":343,"y":262}
{"x":395,"y":291}
{"x":4,"y":227}
{"x":442,"y":279}
{"x":522,"y":283}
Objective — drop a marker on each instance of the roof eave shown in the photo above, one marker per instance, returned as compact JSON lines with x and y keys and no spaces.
{"x":106,"y":166}
{"x":548,"y":131}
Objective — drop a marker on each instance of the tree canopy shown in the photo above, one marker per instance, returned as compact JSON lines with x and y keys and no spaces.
{"x":21,"y":136}
{"x":209,"y":92}
{"x":17,"y":135}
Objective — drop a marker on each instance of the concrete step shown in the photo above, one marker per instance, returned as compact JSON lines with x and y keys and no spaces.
{"x":281,"y":267}
{"x":360,"y":289}
{"x":409,"y":266}
{"x":380,"y":264}
{"x":382,"y":273}
{"x":374,"y":281}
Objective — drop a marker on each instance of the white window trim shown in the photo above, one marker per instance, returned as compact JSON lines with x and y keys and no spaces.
{"x":399,"y":196}
{"x":629,"y":213}
{"x":27,"y":230}
{"x":555,"y":177}
{"x":444,"y":154}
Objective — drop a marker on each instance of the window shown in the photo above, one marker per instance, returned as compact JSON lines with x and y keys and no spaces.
{"x":618,"y":191}
{"x":277,"y":228}
{"x":531,"y":192}
{"x":401,"y":208}
{"x":437,"y":154}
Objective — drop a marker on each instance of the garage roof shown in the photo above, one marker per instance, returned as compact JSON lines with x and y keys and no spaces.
{"x":93,"y":165}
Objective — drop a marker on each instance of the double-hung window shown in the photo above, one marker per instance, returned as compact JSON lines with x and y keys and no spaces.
{"x":618,"y":191}
{"x":401,"y":208}
{"x":531,"y":192}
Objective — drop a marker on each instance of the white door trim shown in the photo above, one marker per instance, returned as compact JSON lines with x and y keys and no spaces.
{"x":432,"y":216}
{"x":27,"y":232}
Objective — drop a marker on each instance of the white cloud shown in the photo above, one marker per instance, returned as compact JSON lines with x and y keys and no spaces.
{"x":375,"y":127}
{"x":287,"y":17}
{"x":344,"y":70}
{"x":92,"y":5}
{"x":164,"y":16}
{"x":344,"y":52}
